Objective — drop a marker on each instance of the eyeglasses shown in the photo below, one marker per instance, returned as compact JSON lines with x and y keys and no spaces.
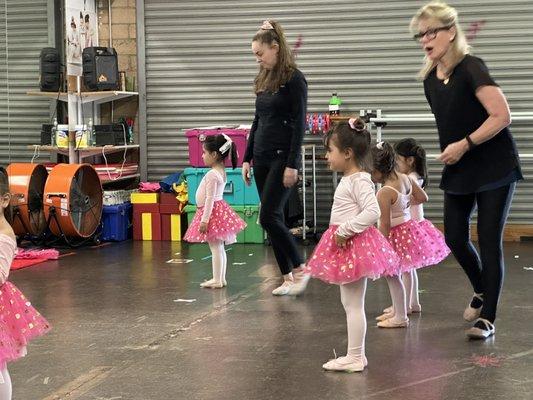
{"x":430,"y":33}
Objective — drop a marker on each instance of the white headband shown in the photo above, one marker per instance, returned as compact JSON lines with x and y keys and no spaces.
{"x":227,"y":144}
{"x":379,"y":145}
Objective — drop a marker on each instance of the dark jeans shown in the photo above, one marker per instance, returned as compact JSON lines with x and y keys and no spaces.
{"x":269,"y":179}
{"x":486,"y":272}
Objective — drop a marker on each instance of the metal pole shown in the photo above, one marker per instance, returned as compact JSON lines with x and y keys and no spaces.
{"x":314,"y":189}
{"x":303,"y":193}
{"x":73,"y":110}
{"x":109,"y":21}
{"x":141,"y":88}
{"x":378,"y":130}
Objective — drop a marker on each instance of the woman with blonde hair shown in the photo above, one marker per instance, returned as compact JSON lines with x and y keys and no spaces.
{"x":274,"y":145}
{"x":480,"y":156}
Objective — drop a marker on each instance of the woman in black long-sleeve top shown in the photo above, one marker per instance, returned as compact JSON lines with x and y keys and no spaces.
{"x":479,"y":153}
{"x":274,"y":146}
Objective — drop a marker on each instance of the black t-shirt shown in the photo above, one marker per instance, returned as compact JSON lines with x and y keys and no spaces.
{"x":458,"y":113}
{"x":279,"y":123}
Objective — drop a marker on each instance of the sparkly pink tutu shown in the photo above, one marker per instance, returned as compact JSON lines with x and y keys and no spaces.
{"x":366,"y":255}
{"x":19,"y":323}
{"x":419,"y":244}
{"x":224,"y":224}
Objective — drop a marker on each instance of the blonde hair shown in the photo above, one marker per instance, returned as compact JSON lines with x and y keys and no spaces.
{"x":272,"y":79}
{"x":447,"y":16}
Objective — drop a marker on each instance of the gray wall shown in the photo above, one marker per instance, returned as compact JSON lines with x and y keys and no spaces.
{"x":24,"y":31}
{"x":199,"y":70}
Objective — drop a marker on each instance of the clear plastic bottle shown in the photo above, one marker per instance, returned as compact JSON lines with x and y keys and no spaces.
{"x":53,"y":134}
{"x":90,"y":135}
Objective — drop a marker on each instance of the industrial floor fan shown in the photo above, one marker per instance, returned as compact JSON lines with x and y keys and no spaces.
{"x":26,"y":184}
{"x":73,"y":203}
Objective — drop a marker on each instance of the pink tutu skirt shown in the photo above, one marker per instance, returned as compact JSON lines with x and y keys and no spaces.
{"x":19,"y":323}
{"x":224,"y":224}
{"x":366,"y":255}
{"x":419,"y":244}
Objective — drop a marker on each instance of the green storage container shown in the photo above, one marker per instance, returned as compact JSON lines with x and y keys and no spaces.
{"x":253,"y":233}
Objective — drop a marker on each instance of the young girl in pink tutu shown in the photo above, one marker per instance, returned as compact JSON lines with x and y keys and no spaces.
{"x":19,"y":321}
{"x":352,"y":249}
{"x":215,"y":222}
{"x":411,"y":242}
{"x":411,"y":160}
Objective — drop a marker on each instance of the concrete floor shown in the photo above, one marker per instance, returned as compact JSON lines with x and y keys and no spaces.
{"x":118,"y":332}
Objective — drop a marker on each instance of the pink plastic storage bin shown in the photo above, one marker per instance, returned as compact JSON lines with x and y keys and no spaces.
{"x":197,"y":136}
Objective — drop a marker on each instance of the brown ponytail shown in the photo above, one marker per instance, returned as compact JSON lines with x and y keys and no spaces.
{"x":271,"y":80}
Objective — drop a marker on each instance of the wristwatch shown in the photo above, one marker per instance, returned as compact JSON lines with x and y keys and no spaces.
{"x":471,"y":144}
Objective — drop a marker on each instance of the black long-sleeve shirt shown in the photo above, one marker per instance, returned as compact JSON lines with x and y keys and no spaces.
{"x":279,"y":123}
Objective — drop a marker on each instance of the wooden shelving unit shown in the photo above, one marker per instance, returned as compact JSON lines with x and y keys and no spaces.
{"x":86,"y":151}
{"x":77,"y":100}
{"x":86,"y":97}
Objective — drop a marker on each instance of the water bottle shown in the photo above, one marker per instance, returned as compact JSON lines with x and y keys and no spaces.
{"x":53,"y":133}
{"x":90,"y":136}
{"x":334,"y":105}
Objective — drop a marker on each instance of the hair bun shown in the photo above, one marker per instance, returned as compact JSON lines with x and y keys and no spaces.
{"x":357,"y":124}
{"x":419,"y":152}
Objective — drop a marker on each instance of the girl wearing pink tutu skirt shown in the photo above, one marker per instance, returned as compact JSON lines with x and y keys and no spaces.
{"x":215,"y":222}
{"x":411,"y":160}
{"x":407,"y":237}
{"x":352,"y":249}
{"x":19,"y":321}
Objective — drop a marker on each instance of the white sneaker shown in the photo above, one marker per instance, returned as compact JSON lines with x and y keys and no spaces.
{"x":471,"y":313}
{"x":301,"y":279}
{"x":341,"y":364}
{"x":284,"y":289}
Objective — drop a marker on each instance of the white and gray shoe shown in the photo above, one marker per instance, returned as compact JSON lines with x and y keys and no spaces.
{"x":482,"y":329}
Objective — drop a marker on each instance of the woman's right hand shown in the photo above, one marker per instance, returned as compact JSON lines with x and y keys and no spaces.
{"x":247,"y":173}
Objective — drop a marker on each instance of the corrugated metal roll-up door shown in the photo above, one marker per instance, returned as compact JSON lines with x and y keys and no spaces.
{"x":24,"y":28}
{"x":200,"y":69}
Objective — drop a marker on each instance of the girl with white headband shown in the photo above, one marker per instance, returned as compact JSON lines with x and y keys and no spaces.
{"x":215,"y":222}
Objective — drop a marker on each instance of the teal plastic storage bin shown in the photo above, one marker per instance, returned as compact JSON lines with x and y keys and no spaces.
{"x":236,"y":193}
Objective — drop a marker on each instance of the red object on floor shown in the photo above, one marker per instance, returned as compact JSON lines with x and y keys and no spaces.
{"x":32,"y":254}
{"x":24,"y":263}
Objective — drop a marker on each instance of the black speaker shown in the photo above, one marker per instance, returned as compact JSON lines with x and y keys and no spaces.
{"x":114,"y":134}
{"x":46,"y":134}
{"x":100,"y":68}
{"x":49,"y":68}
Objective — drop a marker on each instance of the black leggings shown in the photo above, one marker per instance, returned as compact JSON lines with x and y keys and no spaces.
{"x":274,"y":195}
{"x":485,"y":273}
